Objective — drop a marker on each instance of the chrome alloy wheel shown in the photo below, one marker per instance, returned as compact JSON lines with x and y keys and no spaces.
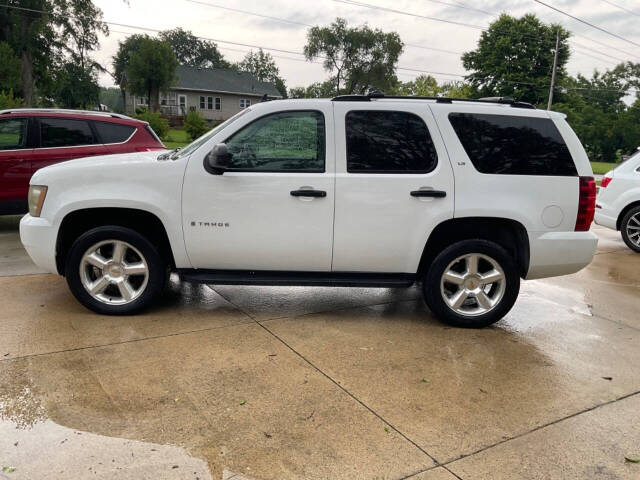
{"x":114,"y":272}
{"x":633,"y":229}
{"x":473,"y":284}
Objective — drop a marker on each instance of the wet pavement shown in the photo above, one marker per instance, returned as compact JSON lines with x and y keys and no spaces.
{"x":226,"y":382}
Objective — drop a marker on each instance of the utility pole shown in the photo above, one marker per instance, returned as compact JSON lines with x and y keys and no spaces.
{"x":553,"y":73}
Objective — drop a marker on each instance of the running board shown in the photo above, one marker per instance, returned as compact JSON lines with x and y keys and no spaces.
{"x":280,"y":278}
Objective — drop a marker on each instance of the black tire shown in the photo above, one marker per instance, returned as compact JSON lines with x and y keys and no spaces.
{"x":156,"y":276}
{"x":431,"y":286}
{"x":627,"y":222}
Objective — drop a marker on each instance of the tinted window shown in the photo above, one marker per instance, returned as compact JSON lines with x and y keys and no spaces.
{"x":388,"y":142}
{"x":13,"y":133}
{"x":511,"y":145}
{"x":62,"y":132}
{"x":280,"y":142}
{"x":113,"y":132}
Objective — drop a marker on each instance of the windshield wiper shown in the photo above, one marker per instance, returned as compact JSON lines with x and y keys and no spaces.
{"x":168,"y":155}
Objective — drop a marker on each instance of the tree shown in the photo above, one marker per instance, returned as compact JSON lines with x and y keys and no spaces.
{"x":315,"y":90}
{"x":122,"y":60}
{"x":9,"y":69}
{"x":427,"y":86}
{"x":359,"y":58}
{"x":111,"y":97}
{"x":44,"y":34}
{"x":193,"y":51}
{"x":151,"y":68}
{"x":514,"y":58}
{"x":262,"y":66}
{"x":76,"y":87}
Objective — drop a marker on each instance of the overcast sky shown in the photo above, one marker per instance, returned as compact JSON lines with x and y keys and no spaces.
{"x":230,"y":26}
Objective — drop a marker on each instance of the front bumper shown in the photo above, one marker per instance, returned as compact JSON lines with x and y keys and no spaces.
{"x":38,"y":237}
{"x":559,"y":253}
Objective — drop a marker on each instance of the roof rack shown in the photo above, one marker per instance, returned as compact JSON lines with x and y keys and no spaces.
{"x":379,"y":95}
{"x":65,"y":110}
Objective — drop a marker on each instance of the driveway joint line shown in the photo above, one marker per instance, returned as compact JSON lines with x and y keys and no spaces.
{"x":124,"y":342}
{"x":540,"y":427}
{"x":328,"y":377}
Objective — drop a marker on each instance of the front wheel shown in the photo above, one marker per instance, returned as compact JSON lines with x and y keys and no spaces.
{"x":630,"y":229}
{"x":472,"y":284}
{"x":114,"y":270}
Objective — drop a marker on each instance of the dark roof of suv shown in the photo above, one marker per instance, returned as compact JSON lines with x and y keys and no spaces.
{"x":222,"y":80}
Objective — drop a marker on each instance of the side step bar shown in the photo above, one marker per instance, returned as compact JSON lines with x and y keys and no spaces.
{"x":279,"y":278}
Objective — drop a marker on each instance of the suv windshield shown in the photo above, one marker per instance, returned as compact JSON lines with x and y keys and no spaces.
{"x":193,"y":146}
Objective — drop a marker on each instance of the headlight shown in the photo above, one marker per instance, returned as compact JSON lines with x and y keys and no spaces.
{"x":37,"y":193}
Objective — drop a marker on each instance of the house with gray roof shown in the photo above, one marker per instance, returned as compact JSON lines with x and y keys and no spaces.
{"x":216,"y":93}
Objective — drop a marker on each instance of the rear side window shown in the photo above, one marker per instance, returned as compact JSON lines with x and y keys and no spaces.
{"x":510,"y":145}
{"x":13,"y":133}
{"x":63,"y":132}
{"x":113,"y":132}
{"x":388,"y":142}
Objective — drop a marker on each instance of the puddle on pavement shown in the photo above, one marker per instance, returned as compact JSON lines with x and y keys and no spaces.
{"x":33,"y":446}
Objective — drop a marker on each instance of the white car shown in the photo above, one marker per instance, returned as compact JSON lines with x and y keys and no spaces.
{"x":618,"y":202}
{"x":466,"y":197}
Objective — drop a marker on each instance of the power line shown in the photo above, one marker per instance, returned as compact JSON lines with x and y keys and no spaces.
{"x":408,"y":69}
{"x":622,"y":8}
{"x":588,"y":23}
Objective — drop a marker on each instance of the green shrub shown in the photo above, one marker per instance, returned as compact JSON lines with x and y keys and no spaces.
{"x":7,"y":100}
{"x":160,"y":125}
{"x":195,"y":125}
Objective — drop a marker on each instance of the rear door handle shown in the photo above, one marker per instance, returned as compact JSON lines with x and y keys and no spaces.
{"x":429,"y":193}
{"x":308,"y":193}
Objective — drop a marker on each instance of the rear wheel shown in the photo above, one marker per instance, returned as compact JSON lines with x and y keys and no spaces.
{"x":115,"y":271}
{"x":472,"y":283}
{"x":630,"y":229}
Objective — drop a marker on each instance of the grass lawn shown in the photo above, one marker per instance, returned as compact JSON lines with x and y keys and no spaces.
{"x":176,"y":138}
{"x":600,"y":168}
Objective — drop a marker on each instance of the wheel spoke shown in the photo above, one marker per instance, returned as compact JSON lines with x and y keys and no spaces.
{"x":634,"y":220}
{"x":453,"y":277}
{"x":135,"y":268}
{"x":126,"y":290}
{"x":99,"y":286}
{"x":96,"y":260}
{"x":119,"y":250}
{"x":631,"y":227}
{"x":472,"y":264}
{"x":458,"y":299}
{"x":491,"y":277}
{"x":483,"y":300}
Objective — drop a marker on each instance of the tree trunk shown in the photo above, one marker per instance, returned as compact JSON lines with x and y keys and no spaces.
{"x":156,"y":99}
{"x":28,"y":83}
{"x":149,"y":94}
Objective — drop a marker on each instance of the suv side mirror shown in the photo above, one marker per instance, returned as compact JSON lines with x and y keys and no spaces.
{"x":217,"y":161}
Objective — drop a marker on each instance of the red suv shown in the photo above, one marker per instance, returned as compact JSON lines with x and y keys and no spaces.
{"x":34,"y":138}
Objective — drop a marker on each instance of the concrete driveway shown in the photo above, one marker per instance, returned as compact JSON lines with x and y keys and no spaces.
{"x":265,"y":383}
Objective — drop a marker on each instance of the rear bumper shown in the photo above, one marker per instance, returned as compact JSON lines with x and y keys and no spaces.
{"x":38,"y":237}
{"x":601,"y":218}
{"x":559,"y":253}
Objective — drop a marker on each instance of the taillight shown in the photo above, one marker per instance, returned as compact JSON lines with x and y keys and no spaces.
{"x":586,"y":204}
{"x":605,"y":181}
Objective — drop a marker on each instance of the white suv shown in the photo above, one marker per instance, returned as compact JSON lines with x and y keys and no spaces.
{"x":465,"y":196}
{"x":618,"y":202}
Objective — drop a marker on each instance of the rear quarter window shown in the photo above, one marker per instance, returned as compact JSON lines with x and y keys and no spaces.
{"x":513,"y":145}
{"x":113,"y":132}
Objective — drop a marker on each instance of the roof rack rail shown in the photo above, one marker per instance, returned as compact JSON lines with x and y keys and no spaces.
{"x":65,"y":110}
{"x":379,"y":95}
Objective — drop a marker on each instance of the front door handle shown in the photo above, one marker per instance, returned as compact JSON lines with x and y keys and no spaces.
{"x":429,"y":193}
{"x":308,"y":193}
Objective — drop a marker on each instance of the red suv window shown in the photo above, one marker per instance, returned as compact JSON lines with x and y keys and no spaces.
{"x":63,"y":132}
{"x":113,"y":132}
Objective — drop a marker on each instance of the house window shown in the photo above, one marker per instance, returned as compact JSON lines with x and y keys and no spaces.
{"x":143,"y":101}
{"x":202,"y":103}
{"x":218,"y":103}
{"x":245,"y":102}
{"x":209,"y":103}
